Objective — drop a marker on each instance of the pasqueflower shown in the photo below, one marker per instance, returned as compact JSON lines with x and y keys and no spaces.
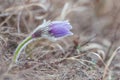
{"x":50,"y":30}
{"x":55,"y":29}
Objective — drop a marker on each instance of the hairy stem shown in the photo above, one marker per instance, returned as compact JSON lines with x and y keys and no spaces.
{"x":20,"y":47}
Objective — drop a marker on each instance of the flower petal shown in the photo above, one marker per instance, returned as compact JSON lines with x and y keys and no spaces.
{"x":55,"y":29}
{"x":61,"y":24}
{"x":59,"y":31}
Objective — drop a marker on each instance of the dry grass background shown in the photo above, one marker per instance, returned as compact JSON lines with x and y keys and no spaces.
{"x":92,"y":53}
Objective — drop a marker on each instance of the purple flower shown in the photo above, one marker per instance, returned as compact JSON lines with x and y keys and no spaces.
{"x":60,"y":29}
{"x":55,"y":29}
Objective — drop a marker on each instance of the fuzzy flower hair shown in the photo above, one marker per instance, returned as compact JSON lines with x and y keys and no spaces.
{"x":53,"y":30}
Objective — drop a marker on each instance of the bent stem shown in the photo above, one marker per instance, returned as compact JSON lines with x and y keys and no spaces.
{"x":20,"y":47}
{"x":18,"y":50}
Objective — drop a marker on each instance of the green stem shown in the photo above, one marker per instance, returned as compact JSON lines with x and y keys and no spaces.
{"x":20,"y":48}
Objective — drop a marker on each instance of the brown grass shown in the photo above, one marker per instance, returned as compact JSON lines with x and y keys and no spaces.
{"x":92,"y":53}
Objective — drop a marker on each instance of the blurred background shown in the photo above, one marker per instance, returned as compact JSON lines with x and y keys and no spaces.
{"x":96,"y":28}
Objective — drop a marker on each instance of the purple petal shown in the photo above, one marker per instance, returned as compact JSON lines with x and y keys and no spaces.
{"x":61,"y":24}
{"x":59,"y":31}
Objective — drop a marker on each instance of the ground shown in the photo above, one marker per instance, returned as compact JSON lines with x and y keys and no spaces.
{"x":92,"y":53}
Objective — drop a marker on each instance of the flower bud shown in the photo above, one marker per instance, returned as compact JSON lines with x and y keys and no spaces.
{"x":60,"y":29}
{"x":55,"y":29}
